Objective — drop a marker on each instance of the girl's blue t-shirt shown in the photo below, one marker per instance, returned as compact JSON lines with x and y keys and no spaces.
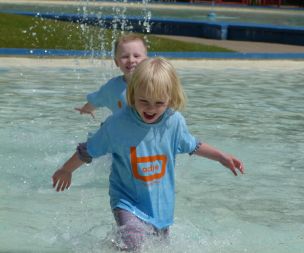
{"x":142,"y":174}
{"x":111,"y":95}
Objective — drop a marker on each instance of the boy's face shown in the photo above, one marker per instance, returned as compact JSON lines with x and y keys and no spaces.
{"x":128,"y":55}
{"x":149,"y":109}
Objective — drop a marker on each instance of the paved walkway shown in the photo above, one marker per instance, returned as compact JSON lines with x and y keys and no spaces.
{"x":243,"y":46}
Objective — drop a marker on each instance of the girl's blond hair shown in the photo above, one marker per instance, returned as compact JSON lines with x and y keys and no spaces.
{"x":159,"y":79}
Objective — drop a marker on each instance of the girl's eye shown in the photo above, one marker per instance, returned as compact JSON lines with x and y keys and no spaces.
{"x":143,"y":101}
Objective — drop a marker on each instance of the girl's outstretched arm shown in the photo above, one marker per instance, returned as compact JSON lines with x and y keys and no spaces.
{"x":226,"y":160}
{"x":63,"y":176}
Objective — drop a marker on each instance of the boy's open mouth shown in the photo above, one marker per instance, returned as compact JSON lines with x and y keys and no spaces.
{"x":131,"y":68}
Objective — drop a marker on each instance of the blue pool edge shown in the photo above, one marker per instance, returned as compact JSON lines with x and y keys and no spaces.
{"x":176,"y":55}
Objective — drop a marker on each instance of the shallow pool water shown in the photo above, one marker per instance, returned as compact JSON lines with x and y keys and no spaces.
{"x":253,"y":109}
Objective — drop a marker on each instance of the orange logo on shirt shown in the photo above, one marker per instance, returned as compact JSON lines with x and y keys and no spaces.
{"x":119,"y":104}
{"x":148,"y":168}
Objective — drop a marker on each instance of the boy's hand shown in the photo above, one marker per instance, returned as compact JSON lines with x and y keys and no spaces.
{"x":62,"y":179}
{"x":88,"y":109}
{"x":83,"y":111}
{"x":232,"y":163}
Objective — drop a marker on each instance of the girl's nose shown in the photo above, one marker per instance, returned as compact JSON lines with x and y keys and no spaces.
{"x":149,"y":107}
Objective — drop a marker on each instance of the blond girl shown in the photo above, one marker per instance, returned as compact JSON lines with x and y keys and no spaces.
{"x":144,"y":139}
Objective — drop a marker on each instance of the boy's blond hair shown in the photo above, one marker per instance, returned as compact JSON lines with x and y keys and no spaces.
{"x":124,"y":38}
{"x":159,"y":79}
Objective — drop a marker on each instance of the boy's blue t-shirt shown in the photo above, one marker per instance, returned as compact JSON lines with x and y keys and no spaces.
{"x":111,"y":95}
{"x":142,"y":175}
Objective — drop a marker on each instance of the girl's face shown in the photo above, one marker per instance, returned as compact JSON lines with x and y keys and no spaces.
{"x":149,"y":109}
{"x":128,"y":55}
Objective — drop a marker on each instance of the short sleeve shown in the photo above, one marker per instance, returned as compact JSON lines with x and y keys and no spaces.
{"x":99,"y":98}
{"x":186,"y":141}
{"x":110,"y":95}
{"x":99,"y":144}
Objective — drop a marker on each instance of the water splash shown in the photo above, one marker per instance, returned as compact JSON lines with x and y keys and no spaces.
{"x":212,"y":15}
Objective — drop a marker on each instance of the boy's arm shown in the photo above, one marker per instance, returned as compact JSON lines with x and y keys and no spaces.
{"x":87,"y":108}
{"x":63,"y":176}
{"x":226,"y":160}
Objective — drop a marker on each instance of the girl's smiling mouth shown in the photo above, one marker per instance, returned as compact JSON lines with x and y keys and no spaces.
{"x":149,"y":116}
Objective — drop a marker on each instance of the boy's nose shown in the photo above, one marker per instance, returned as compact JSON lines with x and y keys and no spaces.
{"x":132,"y":58}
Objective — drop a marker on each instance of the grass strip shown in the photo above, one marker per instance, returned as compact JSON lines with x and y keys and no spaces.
{"x":18,"y":31}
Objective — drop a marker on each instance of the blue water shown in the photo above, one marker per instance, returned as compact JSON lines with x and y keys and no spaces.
{"x":273,"y":16}
{"x":253,"y":109}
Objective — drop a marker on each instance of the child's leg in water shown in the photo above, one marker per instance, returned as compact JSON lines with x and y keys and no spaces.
{"x":134,"y":231}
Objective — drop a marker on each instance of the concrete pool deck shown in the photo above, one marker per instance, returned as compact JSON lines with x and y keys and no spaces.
{"x":237,"y":46}
{"x":243,"y":46}
{"x":26,"y":62}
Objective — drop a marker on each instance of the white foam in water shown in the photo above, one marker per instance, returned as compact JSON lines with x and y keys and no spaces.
{"x":253,"y":109}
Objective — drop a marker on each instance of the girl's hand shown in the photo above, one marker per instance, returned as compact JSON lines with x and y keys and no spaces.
{"x":62,"y":179}
{"x":232,"y":163}
{"x":226,"y":160}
